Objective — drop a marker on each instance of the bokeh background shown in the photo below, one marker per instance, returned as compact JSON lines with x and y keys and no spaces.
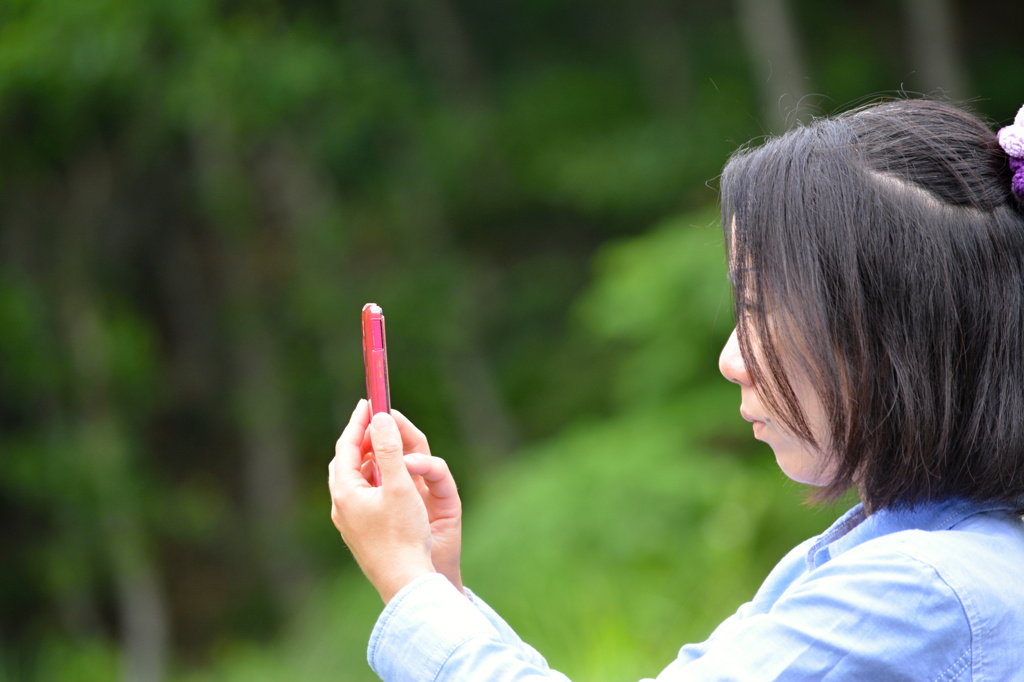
{"x":197,"y":197}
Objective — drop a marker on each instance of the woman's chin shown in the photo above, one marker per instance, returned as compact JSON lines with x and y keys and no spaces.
{"x":801,"y":471}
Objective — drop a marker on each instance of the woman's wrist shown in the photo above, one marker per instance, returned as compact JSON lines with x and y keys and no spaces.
{"x":392,"y":581}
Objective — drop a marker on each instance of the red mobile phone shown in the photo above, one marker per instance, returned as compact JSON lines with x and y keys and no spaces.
{"x":375,"y":357}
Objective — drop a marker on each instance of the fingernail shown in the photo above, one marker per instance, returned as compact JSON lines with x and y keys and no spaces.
{"x":382,"y":420}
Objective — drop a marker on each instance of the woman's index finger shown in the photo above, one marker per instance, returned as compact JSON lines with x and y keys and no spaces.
{"x":348,"y":455}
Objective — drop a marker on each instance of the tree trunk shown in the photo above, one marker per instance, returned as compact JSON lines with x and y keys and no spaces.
{"x":443,"y":41}
{"x":101,"y":436}
{"x":102,"y":440}
{"x":269,"y":474}
{"x":657,"y":36}
{"x":772,"y":43}
{"x":249,"y":258}
{"x":935,"y":58}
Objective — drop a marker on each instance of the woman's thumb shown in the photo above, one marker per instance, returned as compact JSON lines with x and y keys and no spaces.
{"x":387,"y":446}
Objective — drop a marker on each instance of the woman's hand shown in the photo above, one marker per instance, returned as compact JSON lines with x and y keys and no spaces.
{"x":393,"y":529}
{"x":440,"y":497}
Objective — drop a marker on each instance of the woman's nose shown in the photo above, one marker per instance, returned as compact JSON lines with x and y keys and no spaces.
{"x":730,"y":362}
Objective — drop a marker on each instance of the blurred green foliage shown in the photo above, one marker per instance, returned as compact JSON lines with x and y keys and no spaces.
{"x":197,"y":197}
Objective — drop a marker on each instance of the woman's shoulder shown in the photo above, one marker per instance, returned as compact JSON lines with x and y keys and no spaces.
{"x":977,"y":557}
{"x":961,"y":582}
{"x":899,"y":596}
{"x":983,"y":549}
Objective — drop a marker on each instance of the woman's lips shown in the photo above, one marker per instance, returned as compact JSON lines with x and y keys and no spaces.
{"x":759,"y":424}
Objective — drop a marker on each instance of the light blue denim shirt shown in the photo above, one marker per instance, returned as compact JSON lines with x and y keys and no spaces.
{"x":935,"y":593}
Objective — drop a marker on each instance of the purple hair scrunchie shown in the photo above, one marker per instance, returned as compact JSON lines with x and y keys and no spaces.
{"x":1011,"y":139}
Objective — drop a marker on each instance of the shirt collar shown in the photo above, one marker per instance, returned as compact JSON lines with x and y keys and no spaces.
{"x":856,"y":526}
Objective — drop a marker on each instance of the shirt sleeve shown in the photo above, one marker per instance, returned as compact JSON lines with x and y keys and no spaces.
{"x":429,"y":631}
{"x":508,"y":635}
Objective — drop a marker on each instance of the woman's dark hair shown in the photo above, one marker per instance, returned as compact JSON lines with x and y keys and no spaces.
{"x":881,"y":256}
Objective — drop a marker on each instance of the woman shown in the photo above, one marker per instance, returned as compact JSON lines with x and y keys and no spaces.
{"x":877,"y":260}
